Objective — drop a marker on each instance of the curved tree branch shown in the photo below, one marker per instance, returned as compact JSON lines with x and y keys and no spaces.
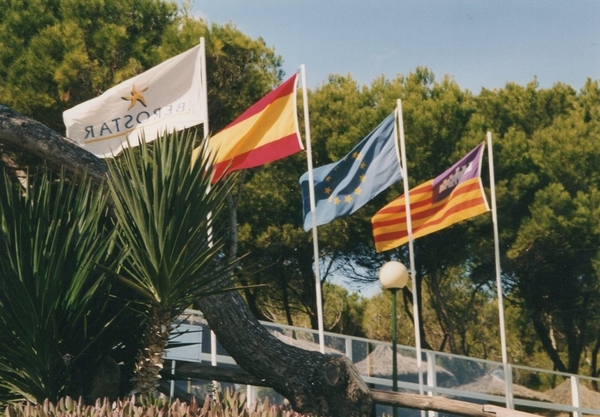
{"x":27,"y":136}
{"x":313,"y":383}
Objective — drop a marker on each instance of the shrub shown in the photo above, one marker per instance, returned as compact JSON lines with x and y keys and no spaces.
{"x":229,"y":404}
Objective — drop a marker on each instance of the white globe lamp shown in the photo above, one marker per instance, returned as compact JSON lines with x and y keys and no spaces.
{"x":393,"y":275}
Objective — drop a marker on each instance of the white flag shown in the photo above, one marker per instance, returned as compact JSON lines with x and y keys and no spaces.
{"x":167,"y":97}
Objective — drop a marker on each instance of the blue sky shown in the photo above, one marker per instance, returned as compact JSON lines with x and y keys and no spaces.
{"x":480,"y":43}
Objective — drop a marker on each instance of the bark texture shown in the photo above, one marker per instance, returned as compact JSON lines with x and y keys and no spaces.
{"x":27,"y":136}
{"x":149,"y":361}
{"x":313,"y":383}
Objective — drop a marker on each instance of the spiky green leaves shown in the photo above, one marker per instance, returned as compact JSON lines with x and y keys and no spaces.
{"x":168,"y":221}
{"x":167,"y":216}
{"x":53,"y":235}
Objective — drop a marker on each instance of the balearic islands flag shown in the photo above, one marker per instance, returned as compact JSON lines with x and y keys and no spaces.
{"x":455,"y":195}
{"x":165,"y":98}
{"x":343,"y":187}
{"x":265,"y":132}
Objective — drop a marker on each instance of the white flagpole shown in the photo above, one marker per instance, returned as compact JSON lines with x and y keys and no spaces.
{"x":213,"y":336}
{"x":204,"y":84}
{"x":411,"y":251}
{"x":507,"y":372}
{"x":311,"y":189}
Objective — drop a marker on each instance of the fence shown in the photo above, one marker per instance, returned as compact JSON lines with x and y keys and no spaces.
{"x":469,"y":379}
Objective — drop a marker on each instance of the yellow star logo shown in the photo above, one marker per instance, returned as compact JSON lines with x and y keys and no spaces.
{"x":357,"y":155}
{"x":362,"y":178}
{"x":328,"y":178}
{"x":336,"y":201}
{"x":357,"y":191}
{"x":348,"y":199}
{"x":327,"y":190}
{"x":136,"y":96}
{"x":363,"y":165}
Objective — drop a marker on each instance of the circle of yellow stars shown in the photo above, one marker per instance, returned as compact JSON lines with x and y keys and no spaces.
{"x":357,"y":191}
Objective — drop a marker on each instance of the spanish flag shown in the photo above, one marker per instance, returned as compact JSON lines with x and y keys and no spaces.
{"x":455,"y":195}
{"x":266,"y":132}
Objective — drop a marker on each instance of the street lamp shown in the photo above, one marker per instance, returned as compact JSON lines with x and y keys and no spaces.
{"x":393,"y":276}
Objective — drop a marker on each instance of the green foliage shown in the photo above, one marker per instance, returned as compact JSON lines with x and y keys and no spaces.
{"x":377,"y":319}
{"x":343,"y":311}
{"x":169,"y":223}
{"x":276,"y":250}
{"x":53,"y":297}
{"x":170,"y":231}
{"x":59,"y":53}
{"x":524,"y":108}
{"x":554,"y":239}
{"x":59,"y":308}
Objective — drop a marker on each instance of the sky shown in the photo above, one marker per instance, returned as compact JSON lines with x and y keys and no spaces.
{"x":479,"y":43}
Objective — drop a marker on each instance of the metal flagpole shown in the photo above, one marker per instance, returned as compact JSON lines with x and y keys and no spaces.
{"x":204,"y":84}
{"x":411,"y":251}
{"x":213,"y":337}
{"x":311,"y":189}
{"x":507,"y":372}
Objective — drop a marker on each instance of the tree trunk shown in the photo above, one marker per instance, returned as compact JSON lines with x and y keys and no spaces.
{"x":149,"y":361}
{"x":312,"y":382}
{"x":594,"y":364}
{"x":543,"y":332}
{"x":442,"y":311}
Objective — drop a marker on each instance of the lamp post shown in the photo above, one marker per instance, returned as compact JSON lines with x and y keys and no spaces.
{"x":393,"y":276}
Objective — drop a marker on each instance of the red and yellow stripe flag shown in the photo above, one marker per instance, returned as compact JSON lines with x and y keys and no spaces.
{"x":266,"y":132}
{"x":455,"y":195}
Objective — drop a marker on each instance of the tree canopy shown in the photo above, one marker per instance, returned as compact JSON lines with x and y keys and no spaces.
{"x":544,"y":141}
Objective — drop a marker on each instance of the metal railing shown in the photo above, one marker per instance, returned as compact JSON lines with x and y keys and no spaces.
{"x":444,"y":374}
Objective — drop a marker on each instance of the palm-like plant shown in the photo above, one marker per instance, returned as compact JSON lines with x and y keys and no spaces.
{"x":164,"y":203}
{"x":53,"y":235}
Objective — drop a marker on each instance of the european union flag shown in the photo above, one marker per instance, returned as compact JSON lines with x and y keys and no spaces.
{"x":343,"y":187}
